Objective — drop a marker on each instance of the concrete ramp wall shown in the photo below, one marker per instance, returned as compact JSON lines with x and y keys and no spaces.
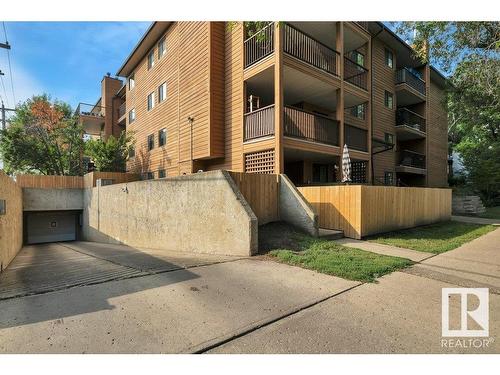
{"x":199,"y":213}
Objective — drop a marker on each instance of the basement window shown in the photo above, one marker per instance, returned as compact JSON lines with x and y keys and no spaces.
{"x":162,"y":173}
{"x":150,"y":176}
{"x":151,"y":142}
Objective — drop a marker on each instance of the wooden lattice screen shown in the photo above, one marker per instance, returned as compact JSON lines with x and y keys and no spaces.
{"x":358,"y":174}
{"x":260,"y":162}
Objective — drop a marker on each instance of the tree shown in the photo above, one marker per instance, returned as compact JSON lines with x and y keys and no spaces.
{"x":110,"y":155}
{"x":469,"y":52}
{"x":43,"y":137}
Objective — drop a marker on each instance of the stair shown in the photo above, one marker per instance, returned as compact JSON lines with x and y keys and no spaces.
{"x":330,"y":234}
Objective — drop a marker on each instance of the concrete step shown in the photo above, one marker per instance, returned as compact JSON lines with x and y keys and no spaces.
{"x":330,"y":234}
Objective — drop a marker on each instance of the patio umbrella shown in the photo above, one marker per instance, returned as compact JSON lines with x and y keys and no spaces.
{"x":346,"y":165}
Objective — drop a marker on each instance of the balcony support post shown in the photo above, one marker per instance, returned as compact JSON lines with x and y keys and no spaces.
{"x":278,"y":99}
{"x":339,"y":45}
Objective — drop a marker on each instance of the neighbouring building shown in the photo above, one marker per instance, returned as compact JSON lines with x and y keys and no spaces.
{"x":210,"y":95}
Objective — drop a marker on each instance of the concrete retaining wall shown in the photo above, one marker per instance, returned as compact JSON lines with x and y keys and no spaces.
{"x":295,"y":209}
{"x":200,"y":213}
{"x":11,"y":224}
{"x":52,"y":199}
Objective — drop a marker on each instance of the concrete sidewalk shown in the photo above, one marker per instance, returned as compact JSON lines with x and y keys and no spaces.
{"x":475,"y":220}
{"x":399,"y":314}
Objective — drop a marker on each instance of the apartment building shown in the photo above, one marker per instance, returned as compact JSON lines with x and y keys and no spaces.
{"x":208,"y":95}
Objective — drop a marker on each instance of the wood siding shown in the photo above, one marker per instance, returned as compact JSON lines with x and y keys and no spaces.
{"x":49,"y":182}
{"x":261,"y":191}
{"x":365,"y":210}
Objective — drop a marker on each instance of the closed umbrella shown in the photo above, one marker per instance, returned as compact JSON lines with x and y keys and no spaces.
{"x":346,"y":165}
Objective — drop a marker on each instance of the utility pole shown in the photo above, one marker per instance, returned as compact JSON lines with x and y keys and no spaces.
{"x":3,"y":110}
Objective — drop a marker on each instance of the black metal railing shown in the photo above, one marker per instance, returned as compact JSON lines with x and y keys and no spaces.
{"x":412,"y":159}
{"x":356,"y":138}
{"x":259,"y":123}
{"x":405,"y":75}
{"x":310,"y":126}
{"x":405,"y":117}
{"x":355,"y":74}
{"x":304,"y":47}
{"x":85,"y":109}
{"x":259,"y":45}
{"x":122,"y":109}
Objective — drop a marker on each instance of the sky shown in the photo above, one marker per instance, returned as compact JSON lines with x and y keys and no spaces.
{"x":64,"y":59}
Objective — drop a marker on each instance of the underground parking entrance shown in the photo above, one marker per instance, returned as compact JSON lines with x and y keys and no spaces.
{"x":51,"y":226}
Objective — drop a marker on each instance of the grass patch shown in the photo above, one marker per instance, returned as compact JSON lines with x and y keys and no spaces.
{"x":491,"y":213}
{"x":333,"y":259}
{"x":435,"y":238}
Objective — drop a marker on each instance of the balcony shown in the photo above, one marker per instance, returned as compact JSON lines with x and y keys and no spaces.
{"x":91,"y":117}
{"x":259,"y":123}
{"x":259,"y":45}
{"x":411,"y":162}
{"x":410,"y":87}
{"x":362,"y":24}
{"x":309,"y":50}
{"x":122,"y":111}
{"x":355,"y":74}
{"x":409,"y":125}
{"x":309,"y":126}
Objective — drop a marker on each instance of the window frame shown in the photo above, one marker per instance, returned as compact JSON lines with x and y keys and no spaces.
{"x":163,"y":43}
{"x":153,"y":99}
{"x":390,"y":136}
{"x":151,"y":59}
{"x":160,"y":132}
{"x":160,"y":173}
{"x":131,"y":79}
{"x":388,"y":53}
{"x":130,"y":119}
{"x":151,"y":142}
{"x":356,"y":113}
{"x":162,"y":93}
{"x":387,"y":95}
{"x":392,"y":179}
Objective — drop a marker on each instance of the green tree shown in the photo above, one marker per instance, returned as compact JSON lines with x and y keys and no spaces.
{"x":43,"y":137}
{"x":469,"y":52}
{"x":110,"y":155}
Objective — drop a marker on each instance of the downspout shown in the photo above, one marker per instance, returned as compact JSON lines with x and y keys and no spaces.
{"x":371,"y":97}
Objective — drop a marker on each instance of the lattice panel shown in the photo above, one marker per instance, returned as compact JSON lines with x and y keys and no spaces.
{"x":260,"y":162}
{"x":358,"y":171}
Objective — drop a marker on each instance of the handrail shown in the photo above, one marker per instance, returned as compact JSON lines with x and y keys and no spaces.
{"x":258,"y":110}
{"x":355,"y":63}
{"x":413,"y":74}
{"x":360,"y":77}
{"x":307,"y":125}
{"x":404,"y":75}
{"x":311,"y":112}
{"x":406,"y":117}
{"x":259,"y":123}
{"x":258,"y":32}
{"x":255,"y":49}
{"x":410,"y":111}
{"x":311,"y":37}
{"x":413,"y":152}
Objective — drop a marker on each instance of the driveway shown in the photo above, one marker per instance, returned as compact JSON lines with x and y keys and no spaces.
{"x":144,"y":301}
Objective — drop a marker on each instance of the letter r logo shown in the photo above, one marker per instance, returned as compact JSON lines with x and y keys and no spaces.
{"x":480,"y":315}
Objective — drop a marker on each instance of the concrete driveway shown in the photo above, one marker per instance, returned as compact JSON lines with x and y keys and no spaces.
{"x":143,"y":301}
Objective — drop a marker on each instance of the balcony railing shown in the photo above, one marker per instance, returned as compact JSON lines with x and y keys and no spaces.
{"x":304,"y":47}
{"x":355,"y":73}
{"x":92,"y":110}
{"x":412,"y":159}
{"x":356,"y":138}
{"x":310,"y":126}
{"x":122,"y":109}
{"x":362,"y":24}
{"x":411,"y":79}
{"x":259,"y":123}
{"x":259,"y":45}
{"x":405,"y":117}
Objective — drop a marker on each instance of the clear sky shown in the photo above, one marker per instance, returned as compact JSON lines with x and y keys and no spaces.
{"x":65,"y":59}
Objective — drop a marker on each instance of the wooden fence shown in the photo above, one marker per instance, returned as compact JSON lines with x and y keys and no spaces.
{"x":72,"y":182}
{"x":364,"y":210}
{"x":261,"y":191}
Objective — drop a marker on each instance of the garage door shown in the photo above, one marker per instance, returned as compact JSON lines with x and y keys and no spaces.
{"x":50,"y":227}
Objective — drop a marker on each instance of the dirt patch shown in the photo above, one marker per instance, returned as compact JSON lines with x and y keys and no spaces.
{"x":278,"y":235}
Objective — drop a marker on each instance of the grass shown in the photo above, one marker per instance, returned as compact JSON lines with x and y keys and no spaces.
{"x":491,"y":213}
{"x":436,"y":238}
{"x":333,"y":259}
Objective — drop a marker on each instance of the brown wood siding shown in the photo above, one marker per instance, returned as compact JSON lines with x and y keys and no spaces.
{"x":384,"y":119}
{"x":437,"y":133}
{"x":49,"y":182}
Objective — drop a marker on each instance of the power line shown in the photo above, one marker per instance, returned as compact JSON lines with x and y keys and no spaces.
{"x":10,"y":66}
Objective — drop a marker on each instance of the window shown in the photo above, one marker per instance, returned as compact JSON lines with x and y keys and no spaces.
{"x":389,"y":138}
{"x":389,"y":59}
{"x":358,"y":111}
{"x":151,"y":142}
{"x":131,"y":116}
{"x":131,"y":152}
{"x":162,"y":137}
{"x":389,"y":178}
{"x":162,"y":49}
{"x":358,"y":58}
{"x":150,"y":176}
{"x":151,"y":59}
{"x":151,"y":101}
{"x":162,"y":92}
{"x":131,"y":82}
{"x":162,"y":173}
{"x":2,"y":206}
{"x":389,"y":100}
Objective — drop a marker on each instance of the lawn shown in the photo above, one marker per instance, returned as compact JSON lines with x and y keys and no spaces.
{"x":436,"y":238}
{"x":328,"y":257}
{"x":491,"y":213}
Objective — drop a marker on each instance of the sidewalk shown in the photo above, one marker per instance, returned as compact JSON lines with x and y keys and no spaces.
{"x":475,"y":220}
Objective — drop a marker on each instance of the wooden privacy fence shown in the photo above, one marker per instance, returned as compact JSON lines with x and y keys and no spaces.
{"x":364,"y":210}
{"x":72,"y":182}
{"x":261,"y":191}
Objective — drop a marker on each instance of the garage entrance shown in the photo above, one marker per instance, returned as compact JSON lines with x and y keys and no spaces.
{"x":51,"y":226}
